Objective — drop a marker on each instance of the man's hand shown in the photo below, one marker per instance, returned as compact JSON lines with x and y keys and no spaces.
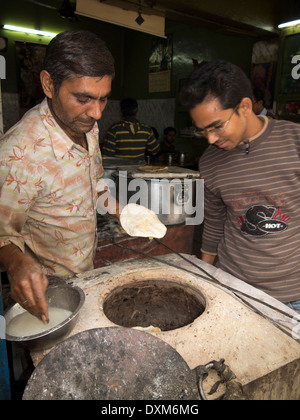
{"x":106,"y":203}
{"x":27,"y":280}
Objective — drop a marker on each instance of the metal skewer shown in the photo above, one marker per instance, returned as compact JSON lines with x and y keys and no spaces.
{"x":210,"y":278}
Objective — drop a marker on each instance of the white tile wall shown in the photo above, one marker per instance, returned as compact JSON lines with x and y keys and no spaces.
{"x":158,"y":113}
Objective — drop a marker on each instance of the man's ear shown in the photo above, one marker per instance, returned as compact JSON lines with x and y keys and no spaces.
{"x":47,"y":84}
{"x":246,"y":106}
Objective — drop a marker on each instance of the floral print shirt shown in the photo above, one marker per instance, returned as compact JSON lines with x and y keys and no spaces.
{"x":48,"y":193}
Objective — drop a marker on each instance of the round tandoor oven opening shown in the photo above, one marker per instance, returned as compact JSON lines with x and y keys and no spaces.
{"x":162,"y":304}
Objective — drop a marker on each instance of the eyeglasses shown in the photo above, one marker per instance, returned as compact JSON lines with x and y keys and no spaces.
{"x":218,"y":129}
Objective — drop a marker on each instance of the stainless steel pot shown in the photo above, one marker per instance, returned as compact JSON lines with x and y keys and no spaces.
{"x":169,"y":198}
{"x":112,"y":165}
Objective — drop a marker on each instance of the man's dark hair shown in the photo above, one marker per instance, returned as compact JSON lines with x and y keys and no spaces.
{"x":77,"y":53}
{"x":216,"y":80}
{"x":129,"y":107}
{"x":167,"y":130}
{"x":259,"y":95}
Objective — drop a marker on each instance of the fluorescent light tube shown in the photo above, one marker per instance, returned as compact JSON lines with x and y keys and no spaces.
{"x":29,"y":31}
{"x":291,"y":23}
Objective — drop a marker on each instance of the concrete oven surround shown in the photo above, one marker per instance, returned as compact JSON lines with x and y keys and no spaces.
{"x":265,"y":360}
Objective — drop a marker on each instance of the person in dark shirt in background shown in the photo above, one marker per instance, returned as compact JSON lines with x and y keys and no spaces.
{"x":167,"y":146}
{"x":259,"y":105}
{"x":130,"y":138}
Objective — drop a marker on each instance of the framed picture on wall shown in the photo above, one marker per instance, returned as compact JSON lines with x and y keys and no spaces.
{"x":160,"y":65}
{"x":161,"y":54}
{"x":30,"y":58}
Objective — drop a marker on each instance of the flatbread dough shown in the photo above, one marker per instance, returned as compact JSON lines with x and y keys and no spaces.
{"x":139,"y":221}
{"x":152,"y":168}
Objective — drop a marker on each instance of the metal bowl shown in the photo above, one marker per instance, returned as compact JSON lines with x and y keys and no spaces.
{"x":62,"y":296}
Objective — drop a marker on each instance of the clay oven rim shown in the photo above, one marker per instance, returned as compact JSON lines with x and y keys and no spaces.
{"x":171,"y":275}
{"x":171,"y":278}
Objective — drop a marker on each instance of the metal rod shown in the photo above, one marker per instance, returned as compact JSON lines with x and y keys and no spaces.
{"x":221,"y":284}
{"x":214,"y":280}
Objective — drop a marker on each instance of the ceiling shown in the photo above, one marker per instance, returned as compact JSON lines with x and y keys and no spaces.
{"x":257,"y":18}
{"x":244,"y":17}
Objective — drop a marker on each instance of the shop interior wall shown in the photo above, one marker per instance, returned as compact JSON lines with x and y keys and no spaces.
{"x":131,"y":50}
{"x":191,"y":44}
{"x":38,"y":17}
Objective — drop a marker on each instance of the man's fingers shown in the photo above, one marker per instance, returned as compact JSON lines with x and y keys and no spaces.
{"x":39,"y":286}
{"x":30,"y":294}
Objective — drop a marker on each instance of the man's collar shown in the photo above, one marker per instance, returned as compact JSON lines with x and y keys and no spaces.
{"x":264,"y":112}
{"x":61,"y":143}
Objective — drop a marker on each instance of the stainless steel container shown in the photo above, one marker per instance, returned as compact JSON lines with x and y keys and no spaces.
{"x":170,"y":158}
{"x":60,"y":296}
{"x":182,"y":158}
{"x":169,"y":194}
{"x":112,"y":165}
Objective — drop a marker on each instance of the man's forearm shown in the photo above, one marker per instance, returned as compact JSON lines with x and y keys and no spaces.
{"x":208,"y":258}
{"x":9,"y":256}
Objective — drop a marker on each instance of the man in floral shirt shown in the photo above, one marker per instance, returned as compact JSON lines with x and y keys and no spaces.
{"x":50,"y":163}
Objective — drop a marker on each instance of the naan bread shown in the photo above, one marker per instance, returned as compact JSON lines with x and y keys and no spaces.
{"x":139,"y":221}
{"x":152,"y":168}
